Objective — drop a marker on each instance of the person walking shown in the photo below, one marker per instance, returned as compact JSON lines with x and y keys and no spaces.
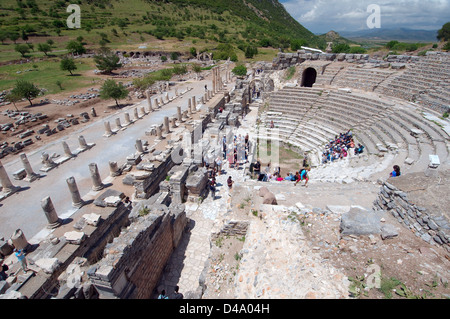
{"x":230,"y":183}
{"x":162,"y":295}
{"x":176,"y":294}
{"x":20,"y":254}
{"x":396,"y":171}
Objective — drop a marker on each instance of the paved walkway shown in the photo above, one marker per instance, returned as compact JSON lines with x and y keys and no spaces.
{"x":189,"y":259}
{"x":23,"y":210}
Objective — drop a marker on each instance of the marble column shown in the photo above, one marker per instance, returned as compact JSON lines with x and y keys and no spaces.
{"x":159,"y":132}
{"x":194,"y":104}
{"x":7,"y":186}
{"x":166,"y":125}
{"x":127,"y":119}
{"x":139,"y":146}
{"x":31,"y":175}
{"x":149,"y":101}
{"x":114,"y":169}
{"x":50,"y":212}
{"x":108,"y":131}
{"x":179,"y":113}
{"x":67,"y":150}
{"x":118,"y":124}
{"x":95,"y":175}
{"x":74,"y":192}
{"x":214,"y":81}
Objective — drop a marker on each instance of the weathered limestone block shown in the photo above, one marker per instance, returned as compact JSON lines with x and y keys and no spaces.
{"x":74,"y":237}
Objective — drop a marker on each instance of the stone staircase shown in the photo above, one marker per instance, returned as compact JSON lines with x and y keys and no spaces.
{"x":421,"y":78}
{"x":361,"y":78}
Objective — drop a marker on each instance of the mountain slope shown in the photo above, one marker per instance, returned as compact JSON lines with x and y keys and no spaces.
{"x":222,"y":20}
{"x":400,"y":34}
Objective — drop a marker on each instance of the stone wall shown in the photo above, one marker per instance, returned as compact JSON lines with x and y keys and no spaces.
{"x":134,"y":261}
{"x":285,"y":60}
{"x":63,"y":251}
{"x":428,"y":223}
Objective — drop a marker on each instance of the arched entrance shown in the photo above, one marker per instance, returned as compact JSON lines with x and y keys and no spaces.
{"x":309,"y":77}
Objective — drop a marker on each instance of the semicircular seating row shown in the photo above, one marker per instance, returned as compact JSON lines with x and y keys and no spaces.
{"x":310,"y":117}
{"x":425,"y":81}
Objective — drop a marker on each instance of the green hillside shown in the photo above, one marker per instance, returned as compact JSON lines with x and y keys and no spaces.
{"x":243,"y":30}
{"x":123,"y":22}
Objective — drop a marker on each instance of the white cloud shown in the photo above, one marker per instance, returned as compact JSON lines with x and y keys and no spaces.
{"x":325,"y":15}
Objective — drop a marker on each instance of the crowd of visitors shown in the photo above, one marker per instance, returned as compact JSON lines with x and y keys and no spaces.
{"x":234,"y":150}
{"x":268,"y":174}
{"x":342,"y":146}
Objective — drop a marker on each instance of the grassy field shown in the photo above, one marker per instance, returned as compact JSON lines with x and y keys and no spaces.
{"x":45,"y":74}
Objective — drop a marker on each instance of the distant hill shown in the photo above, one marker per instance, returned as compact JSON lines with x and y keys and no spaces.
{"x":399,"y":34}
{"x":225,"y":21}
{"x":335,"y":37}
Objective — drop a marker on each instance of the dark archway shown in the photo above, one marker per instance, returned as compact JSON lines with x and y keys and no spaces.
{"x":309,"y":77}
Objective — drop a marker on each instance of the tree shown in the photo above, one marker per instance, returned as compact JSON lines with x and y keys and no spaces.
{"x":22,"y":49}
{"x":240,"y":70}
{"x":13,"y":97}
{"x":341,"y":48}
{"x":3,"y":36}
{"x":44,"y":47}
{"x":25,"y":89}
{"x":357,"y":50}
{"x":392,"y":44}
{"x":446,"y":47}
{"x":111,"y":90}
{"x":296,"y":44}
{"x":193,"y":51}
{"x":250,"y":52}
{"x":197,"y":68}
{"x":13,"y":36}
{"x":444,"y":32}
{"x":68,"y":64}
{"x":24,"y":36}
{"x":107,"y":61}
{"x":75,"y":47}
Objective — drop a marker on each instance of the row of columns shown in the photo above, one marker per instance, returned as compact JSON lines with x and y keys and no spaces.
{"x":8,"y":187}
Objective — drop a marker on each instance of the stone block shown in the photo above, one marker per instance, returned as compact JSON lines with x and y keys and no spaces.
{"x":74,"y":237}
{"x":48,"y":265}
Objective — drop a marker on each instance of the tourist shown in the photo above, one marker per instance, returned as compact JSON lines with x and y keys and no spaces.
{"x":303,"y":175}
{"x":3,"y":270}
{"x":305,"y":160}
{"x":219,"y":164}
{"x":396,"y":171}
{"x":360,"y":149}
{"x":257,"y":169}
{"x":162,"y":295}
{"x":290,"y":177}
{"x":176,"y":294}
{"x":230,"y":183}
{"x":212,"y":187}
{"x":22,"y":259}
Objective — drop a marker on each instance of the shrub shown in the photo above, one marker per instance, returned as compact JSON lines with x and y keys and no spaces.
{"x":341,"y":48}
{"x":357,"y":50}
{"x":240,"y":70}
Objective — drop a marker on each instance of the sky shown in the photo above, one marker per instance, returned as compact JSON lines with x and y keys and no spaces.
{"x":321,"y":16}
